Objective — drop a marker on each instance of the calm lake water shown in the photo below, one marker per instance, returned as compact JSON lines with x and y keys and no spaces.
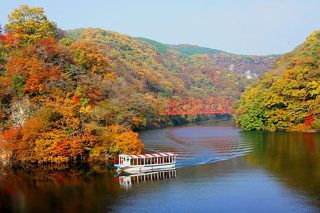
{"x":219,"y":169}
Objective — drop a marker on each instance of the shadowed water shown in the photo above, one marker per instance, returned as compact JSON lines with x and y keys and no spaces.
{"x":219,"y":169}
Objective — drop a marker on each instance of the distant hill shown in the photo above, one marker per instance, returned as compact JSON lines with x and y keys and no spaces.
{"x":189,"y":50}
{"x":199,"y":71}
{"x":161,"y":48}
{"x":250,"y":66}
{"x":288,"y":96}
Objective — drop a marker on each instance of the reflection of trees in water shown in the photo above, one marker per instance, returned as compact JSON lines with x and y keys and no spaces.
{"x":294,"y":157}
{"x":55,"y":188}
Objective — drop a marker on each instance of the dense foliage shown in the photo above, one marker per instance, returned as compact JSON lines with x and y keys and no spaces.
{"x":54,"y":95}
{"x":288,"y":96}
{"x":78,"y":95}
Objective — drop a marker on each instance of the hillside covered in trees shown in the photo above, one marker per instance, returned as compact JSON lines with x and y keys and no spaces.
{"x":288,"y":96}
{"x":78,"y":95}
{"x":195,"y":71}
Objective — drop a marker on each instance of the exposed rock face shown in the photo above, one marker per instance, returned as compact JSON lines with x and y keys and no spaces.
{"x":245,"y":65}
{"x":21,"y":110}
{"x":250,"y":75}
{"x":4,"y":157}
{"x":228,"y":62}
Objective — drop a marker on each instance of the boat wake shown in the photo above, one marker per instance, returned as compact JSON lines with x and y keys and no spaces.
{"x":197,"y":145}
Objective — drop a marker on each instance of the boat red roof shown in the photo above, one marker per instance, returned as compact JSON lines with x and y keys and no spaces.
{"x":160,"y":154}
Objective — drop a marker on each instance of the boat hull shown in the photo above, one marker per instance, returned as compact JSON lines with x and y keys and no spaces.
{"x":145,"y":168}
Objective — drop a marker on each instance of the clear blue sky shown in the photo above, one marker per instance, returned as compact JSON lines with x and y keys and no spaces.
{"x":237,"y":26}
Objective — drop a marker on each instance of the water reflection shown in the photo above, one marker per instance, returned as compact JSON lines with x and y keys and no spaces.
{"x":57,"y":189}
{"x":126,"y":181}
{"x":238,"y":171}
{"x":293,"y":157}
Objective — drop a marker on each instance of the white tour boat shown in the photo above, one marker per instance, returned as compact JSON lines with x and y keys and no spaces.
{"x":146,"y":162}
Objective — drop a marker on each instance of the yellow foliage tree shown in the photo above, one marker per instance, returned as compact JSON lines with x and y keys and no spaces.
{"x":30,"y":24}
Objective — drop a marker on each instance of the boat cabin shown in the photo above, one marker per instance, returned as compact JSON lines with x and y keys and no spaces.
{"x":147,"y":159}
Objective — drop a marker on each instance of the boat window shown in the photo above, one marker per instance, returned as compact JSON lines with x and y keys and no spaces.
{"x":131,"y":162}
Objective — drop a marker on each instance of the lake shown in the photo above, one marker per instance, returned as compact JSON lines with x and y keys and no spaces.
{"x":219,"y":169}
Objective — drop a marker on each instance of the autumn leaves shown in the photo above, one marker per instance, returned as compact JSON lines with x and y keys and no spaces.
{"x":62,"y":81}
{"x":287,"y":97}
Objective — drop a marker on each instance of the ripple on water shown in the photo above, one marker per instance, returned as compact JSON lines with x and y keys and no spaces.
{"x":197,"y":145}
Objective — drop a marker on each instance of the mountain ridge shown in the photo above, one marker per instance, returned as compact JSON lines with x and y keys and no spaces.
{"x":251,"y":66}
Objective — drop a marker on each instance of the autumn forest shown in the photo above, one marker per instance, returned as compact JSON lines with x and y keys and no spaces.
{"x":82,"y":95}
